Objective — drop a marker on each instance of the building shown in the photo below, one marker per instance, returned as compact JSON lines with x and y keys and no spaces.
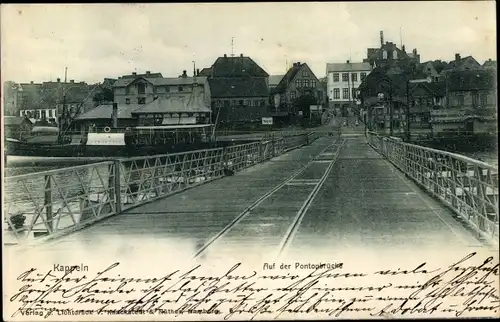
{"x":389,"y":54}
{"x":174,"y":109}
{"x":142,"y":89}
{"x":16,"y":127}
{"x":343,"y":81}
{"x":239,"y":90}
{"x":490,"y":64}
{"x":47,"y":100}
{"x":296,"y":83}
{"x":461,"y":64}
{"x":471,"y":103}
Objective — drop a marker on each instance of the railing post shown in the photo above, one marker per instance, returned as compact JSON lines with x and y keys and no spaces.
{"x":273,"y":146}
{"x":117,"y":187}
{"x":261,"y":151}
{"x":48,"y":203}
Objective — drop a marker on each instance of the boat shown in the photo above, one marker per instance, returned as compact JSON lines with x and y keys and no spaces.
{"x":163,"y":126}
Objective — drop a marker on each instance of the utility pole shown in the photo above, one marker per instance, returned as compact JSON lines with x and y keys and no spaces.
{"x":232,"y":46}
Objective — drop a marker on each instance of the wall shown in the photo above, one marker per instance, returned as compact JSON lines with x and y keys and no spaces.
{"x":331,"y":85}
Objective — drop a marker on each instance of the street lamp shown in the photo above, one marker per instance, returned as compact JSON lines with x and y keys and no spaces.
{"x":412,"y":81}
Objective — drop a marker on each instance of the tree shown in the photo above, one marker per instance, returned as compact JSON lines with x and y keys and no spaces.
{"x":103,"y":95}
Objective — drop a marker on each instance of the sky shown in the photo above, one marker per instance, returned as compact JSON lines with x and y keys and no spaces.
{"x":96,"y":41}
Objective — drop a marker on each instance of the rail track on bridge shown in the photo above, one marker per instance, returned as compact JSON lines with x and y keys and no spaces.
{"x":327,"y":156}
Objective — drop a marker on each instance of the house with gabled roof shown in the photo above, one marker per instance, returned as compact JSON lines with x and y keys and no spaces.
{"x":297,"y":81}
{"x":143,"y":89}
{"x":490,"y":64}
{"x":461,"y":64}
{"x":239,"y":90}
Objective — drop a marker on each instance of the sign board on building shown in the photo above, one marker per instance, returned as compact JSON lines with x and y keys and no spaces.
{"x":267,"y":120}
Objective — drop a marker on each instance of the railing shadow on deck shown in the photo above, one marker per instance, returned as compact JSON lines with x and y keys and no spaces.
{"x":468,"y":187}
{"x":46,"y":205}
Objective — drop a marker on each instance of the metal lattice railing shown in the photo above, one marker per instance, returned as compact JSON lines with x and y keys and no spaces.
{"x":56,"y":202}
{"x":469,"y":187}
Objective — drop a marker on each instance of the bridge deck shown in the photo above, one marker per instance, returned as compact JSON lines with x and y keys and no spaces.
{"x":347,"y":199}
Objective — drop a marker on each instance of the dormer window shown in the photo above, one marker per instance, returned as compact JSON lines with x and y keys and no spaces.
{"x":141,"y":88}
{"x":181,"y":89}
{"x":395,"y":54}
{"x":384,"y":54}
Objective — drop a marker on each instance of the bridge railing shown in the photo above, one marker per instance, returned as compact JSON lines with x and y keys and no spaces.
{"x":469,"y":187}
{"x":49,"y":204}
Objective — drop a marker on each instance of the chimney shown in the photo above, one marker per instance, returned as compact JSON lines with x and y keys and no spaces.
{"x":241,"y":55}
{"x":134,"y":73}
{"x":403,"y":49}
{"x":148,"y":72}
{"x":457,"y":57}
{"x":381,"y":38}
{"x":114,"y":115}
{"x":58,"y":80}
{"x":184,"y":73}
{"x":31,"y":82}
{"x":415,"y":51}
{"x":72,"y":81}
{"x":348,"y":62}
{"x":225,"y":55}
{"x":197,"y":71}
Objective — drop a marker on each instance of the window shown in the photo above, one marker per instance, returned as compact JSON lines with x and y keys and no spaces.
{"x":44,"y":114}
{"x":233,"y":102}
{"x":313,"y":83}
{"x":353,"y":93}
{"x":240,"y":102}
{"x":247,"y":102}
{"x":141,"y":100}
{"x":363,"y":76}
{"x":218,"y":103}
{"x":154,"y":89}
{"x":167,"y":89}
{"x":127,"y":90}
{"x":475,"y":99}
{"x":50,"y":113}
{"x":345,"y":93}
{"x":484,"y":100}
{"x":292,"y":95}
{"x":460,"y":99}
{"x":127,"y":101}
{"x":336,"y":93}
{"x":181,"y":89}
{"x":384,"y":54}
{"x":306,"y":83}
{"x":354,"y":77}
{"x":141,"y":88}
{"x":262,"y":102}
{"x":305,"y":73}
{"x":345,"y":77}
{"x":335,"y":77}
{"x":395,"y":54}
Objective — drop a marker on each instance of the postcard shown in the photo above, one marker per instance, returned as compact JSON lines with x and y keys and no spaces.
{"x":249,"y":161}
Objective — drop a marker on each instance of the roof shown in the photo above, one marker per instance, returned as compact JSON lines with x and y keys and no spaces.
{"x":460,"y":62}
{"x":471,"y":80}
{"x":490,"y":63}
{"x":146,"y":75}
{"x":238,"y":87}
{"x":288,"y":78}
{"x":207,"y":71}
{"x":237,"y":67}
{"x":275,"y":79}
{"x":104,"y":112}
{"x":14,"y":120}
{"x":345,"y":67}
{"x":162,"y":81}
{"x":174,"y":104}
